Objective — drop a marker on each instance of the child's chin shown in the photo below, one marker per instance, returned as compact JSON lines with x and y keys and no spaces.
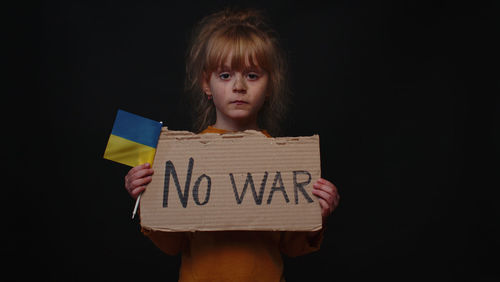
{"x":240,"y":114}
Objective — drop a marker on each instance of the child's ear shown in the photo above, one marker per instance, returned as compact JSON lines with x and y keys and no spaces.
{"x":206,"y":86}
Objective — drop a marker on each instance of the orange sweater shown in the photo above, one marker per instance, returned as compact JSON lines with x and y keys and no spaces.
{"x":233,"y":255}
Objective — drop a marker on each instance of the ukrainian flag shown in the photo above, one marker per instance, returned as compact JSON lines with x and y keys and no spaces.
{"x":133,"y":139}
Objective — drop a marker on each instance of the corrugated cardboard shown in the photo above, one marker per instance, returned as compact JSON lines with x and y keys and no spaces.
{"x":205,"y":185}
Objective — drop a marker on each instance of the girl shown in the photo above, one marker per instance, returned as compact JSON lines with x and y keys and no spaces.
{"x":236,"y":79}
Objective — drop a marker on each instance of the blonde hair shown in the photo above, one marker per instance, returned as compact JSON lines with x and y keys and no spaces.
{"x":248,"y":38}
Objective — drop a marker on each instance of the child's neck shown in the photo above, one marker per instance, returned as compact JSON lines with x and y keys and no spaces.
{"x":233,"y":125}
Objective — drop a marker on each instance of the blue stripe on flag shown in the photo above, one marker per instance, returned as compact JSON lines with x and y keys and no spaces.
{"x":136,"y":128}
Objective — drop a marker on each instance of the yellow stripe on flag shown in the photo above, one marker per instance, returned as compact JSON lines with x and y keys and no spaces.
{"x":128,"y":152}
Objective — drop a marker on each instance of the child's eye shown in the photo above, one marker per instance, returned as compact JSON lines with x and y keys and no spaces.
{"x":253,"y":76}
{"x":224,"y":76}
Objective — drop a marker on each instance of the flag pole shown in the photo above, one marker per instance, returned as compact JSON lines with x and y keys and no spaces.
{"x":136,"y":205}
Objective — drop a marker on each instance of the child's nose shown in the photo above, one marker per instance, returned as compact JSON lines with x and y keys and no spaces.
{"x":240,"y":85}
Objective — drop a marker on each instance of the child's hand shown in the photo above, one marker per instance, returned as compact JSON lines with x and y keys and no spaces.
{"x":328,"y":197}
{"x":137,"y":179}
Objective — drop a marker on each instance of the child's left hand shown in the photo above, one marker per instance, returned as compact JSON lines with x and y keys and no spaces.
{"x":328,"y":197}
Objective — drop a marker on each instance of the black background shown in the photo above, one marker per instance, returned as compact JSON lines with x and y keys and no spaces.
{"x":404,"y":96}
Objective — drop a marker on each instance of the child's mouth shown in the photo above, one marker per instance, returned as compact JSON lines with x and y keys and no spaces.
{"x":239,"y":102}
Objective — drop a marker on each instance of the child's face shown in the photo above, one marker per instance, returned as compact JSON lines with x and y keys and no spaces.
{"x":238,"y":95}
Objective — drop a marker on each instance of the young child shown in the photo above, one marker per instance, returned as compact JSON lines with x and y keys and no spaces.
{"x":236,"y":78}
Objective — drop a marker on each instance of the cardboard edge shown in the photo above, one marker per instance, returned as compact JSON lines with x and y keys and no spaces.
{"x":184,"y":134}
{"x":215,"y":229}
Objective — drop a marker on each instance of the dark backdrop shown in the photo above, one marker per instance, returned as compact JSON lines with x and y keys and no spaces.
{"x":404,"y":96}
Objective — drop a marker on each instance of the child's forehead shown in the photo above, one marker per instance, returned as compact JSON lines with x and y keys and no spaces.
{"x":239,"y":62}
{"x":238,"y":50}
{"x":244,"y":62}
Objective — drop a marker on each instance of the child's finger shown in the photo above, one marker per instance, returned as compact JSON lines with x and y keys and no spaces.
{"x":137,"y":168}
{"x":336,"y":200}
{"x":327,"y":197}
{"x":142,"y":173}
{"x":327,"y":183}
{"x":140,"y":182}
{"x":325,"y":188}
{"x":134,"y":170}
{"x":328,"y":187}
{"x":135,"y":192}
{"x":325,"y":208}
{"x":324,"y":181}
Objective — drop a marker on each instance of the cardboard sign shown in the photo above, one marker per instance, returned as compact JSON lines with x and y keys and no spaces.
{"x":235,"y":181}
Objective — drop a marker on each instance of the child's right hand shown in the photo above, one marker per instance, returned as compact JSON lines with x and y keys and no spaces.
{"x":137,"y":179}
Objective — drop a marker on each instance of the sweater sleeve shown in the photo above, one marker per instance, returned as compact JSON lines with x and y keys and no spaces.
{"x":170,"y":243}
{"x":300,"y":243}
